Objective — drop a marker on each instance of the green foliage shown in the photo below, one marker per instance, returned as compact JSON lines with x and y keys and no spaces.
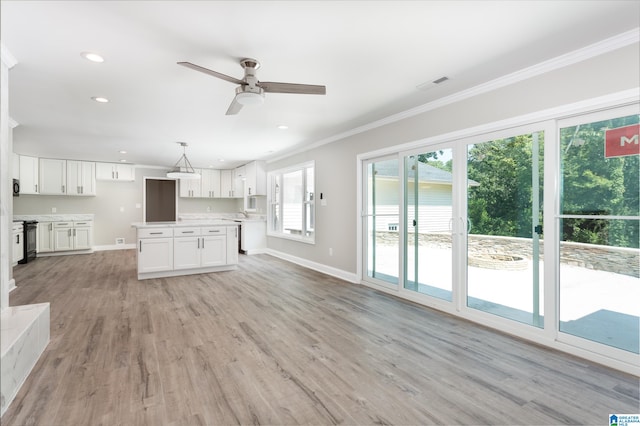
{"x":501,"y":204}
{"x":591,"y":185}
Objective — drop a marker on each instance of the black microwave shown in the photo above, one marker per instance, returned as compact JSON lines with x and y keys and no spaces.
{"x":16,"y":187}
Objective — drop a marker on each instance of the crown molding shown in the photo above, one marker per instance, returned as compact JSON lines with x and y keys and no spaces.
{"x":7,"y":58}
{"x":596,"y":49}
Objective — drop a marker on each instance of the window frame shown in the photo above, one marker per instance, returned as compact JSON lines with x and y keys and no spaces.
{"x":307,"y":204}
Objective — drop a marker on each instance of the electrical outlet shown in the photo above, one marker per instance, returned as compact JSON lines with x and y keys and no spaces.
{"x":119,"y":241}
{"x":53,"y":210}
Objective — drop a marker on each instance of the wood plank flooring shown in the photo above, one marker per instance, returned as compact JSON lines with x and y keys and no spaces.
{"x":274,"y":343}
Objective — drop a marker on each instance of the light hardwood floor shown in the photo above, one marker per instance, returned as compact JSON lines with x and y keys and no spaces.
{"x":274,"y":343}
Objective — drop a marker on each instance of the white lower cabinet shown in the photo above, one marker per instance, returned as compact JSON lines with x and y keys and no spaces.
{"x":17,"y":248}
{"x":199,"y":247}
{"x":72,"y":236}
{"x":45,"y":237}
{"x":186,"y":250}
{"x":155,"y":255}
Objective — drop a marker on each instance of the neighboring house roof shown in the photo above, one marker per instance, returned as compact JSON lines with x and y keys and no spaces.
{"x":426,"y":173}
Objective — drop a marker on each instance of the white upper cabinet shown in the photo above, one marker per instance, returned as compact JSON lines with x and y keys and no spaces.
{"x":115,"y":171}
{"x":29,"y":175}
{"x":191,"y":188}
{"x":255,"y":181}
{"x":210,"y":183}
{"x":53,"y":176}
{"x":81,"y":178}
{"x":228,"y":187}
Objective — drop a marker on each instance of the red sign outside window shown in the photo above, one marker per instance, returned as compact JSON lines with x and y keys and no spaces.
{"x":622,"y":141}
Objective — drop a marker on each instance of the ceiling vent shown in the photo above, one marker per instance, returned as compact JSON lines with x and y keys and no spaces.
{"x":428,"y":85}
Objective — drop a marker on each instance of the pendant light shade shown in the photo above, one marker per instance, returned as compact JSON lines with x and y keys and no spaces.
{"x":183,"y":168}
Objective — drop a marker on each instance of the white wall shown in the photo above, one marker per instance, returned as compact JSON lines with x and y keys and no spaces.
{"x":336,"y":162}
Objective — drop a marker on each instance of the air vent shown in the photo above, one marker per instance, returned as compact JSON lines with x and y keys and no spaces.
{"x":428,"y":85}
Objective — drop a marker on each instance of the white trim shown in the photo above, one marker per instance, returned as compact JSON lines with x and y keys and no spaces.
{"x":13,"y":123}
{"x":114,"y":247}
{"x":12,"y":284}
{"x":334,"y":272}
{"x":7,"y":58}
{"x":604,"y":46}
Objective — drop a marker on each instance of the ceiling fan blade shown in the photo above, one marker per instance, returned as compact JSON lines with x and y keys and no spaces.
{"x":234,"y":108}
{"x":211,"y":72}
{"x":303,"y":89}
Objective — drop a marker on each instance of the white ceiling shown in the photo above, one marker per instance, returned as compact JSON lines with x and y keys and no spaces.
{"x":371,"y":55}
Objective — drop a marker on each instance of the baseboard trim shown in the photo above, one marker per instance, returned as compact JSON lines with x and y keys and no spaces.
{"x":114,"y":247}
{"x":325,"y":269}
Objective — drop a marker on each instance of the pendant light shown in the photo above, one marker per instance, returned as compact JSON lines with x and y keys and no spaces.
{"x":183,"y":168}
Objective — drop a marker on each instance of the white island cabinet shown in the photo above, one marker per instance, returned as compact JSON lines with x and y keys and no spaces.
{"x":170,"y":249}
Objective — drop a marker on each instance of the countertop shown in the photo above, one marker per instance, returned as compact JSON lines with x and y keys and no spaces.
{"x":185,"y":223}
{"x":54,"y":217}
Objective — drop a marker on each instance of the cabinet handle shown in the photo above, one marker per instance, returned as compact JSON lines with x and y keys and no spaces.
{"x":186,"y":232}
{"x":155,"y":233}
{"x":203,"y":243}
{"x":17,"y":238}
{"x":213,"y":230}
{"x":117,"y":177}
{"x":249,"y":191}
{"x":198,"y":242}
{"x":236,"y":232}
{"x":51,"y":227}
{"x":63,"y":189}
{"x":140,"y":246}
{"x":74,"y":232}
{"x":113,"y":175}
{"x":69,"y":233}
{"x":36,"y":187}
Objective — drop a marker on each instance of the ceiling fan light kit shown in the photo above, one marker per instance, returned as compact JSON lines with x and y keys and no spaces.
{"x":183,"y":168}
{"x":250,"y":90}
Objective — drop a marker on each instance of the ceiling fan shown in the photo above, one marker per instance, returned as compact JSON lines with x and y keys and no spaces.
{"x":250,"y":90}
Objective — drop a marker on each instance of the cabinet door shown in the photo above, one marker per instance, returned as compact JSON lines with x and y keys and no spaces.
{"x":62,"y":238}
{"x":226,"y":184}
{"x":232,"y":245}
{"x":53,"y":176}
{"x":210,"y":183}
{"x":82,"y":237}
{"x":74,"y":177}
{"x":105,"y":171}
{"x":191,"y":188}
{"x":29,"y":175}
{"x":45,"y":237}
{"x":214,"y":250}
{"x":186,"y":252}
{"x":17,"y":247}
{"x":155,"y":255}
{"x":87,"y":177}
{"x":125,"y":172}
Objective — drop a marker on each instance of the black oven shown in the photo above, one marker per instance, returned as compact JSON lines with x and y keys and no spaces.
{"x":30,"y":229}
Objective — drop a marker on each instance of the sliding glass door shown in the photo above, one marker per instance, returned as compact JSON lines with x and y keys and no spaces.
{"x":428,"y":212}
{"x":599,"y":225}
{"x":504,"y":217}
{"x":382,"y":220}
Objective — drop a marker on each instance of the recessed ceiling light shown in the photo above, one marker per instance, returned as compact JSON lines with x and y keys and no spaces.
{"x":123,"y":161}
{"x":221,"y":160}
{"x":122,"y":152}
{"x":100,"y":99}
{"x":283,"y":127}
{"x":93,"y":57}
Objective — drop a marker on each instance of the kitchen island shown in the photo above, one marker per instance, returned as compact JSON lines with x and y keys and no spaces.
{"x":169,"y":249}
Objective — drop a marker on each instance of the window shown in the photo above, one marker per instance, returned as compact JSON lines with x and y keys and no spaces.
{"x":291,"y":202}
